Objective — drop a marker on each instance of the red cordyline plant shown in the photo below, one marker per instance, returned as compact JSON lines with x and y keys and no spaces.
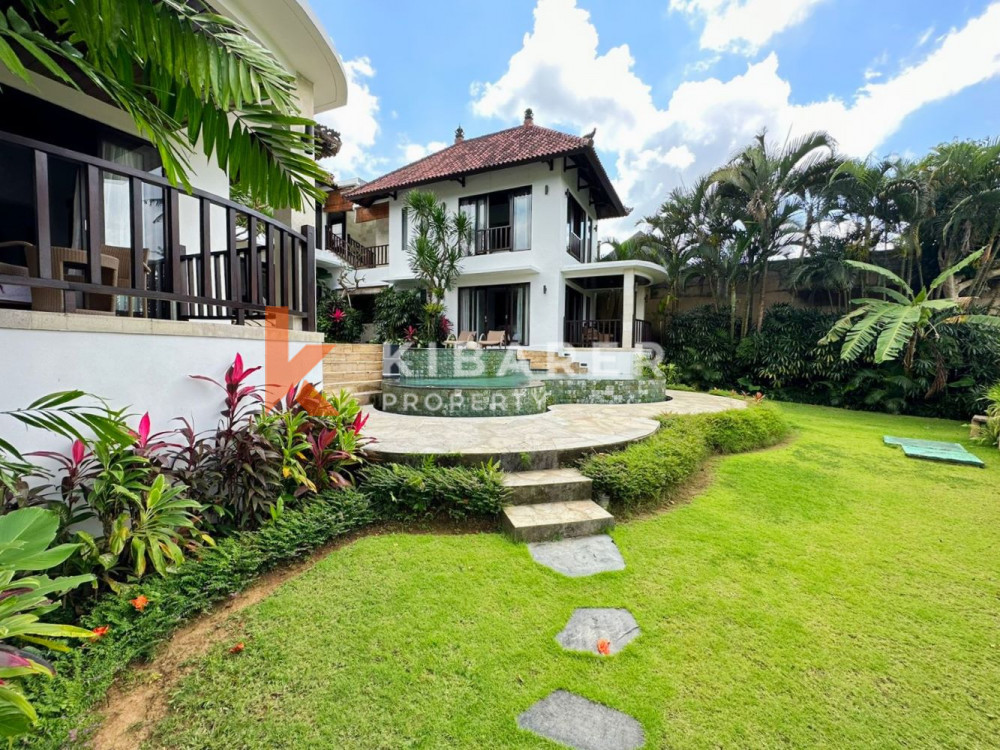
{"x":303,"y":445}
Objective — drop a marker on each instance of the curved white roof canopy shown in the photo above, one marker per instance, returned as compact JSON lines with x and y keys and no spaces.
{"x":652,"y":273}
{"x":291,"y":30}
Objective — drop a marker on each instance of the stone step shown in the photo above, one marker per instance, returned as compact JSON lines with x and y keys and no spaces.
{"x":359,"y":386}
{"x":547,"y":486}
{"x":366,"y":398}
{"x":536,"y":523}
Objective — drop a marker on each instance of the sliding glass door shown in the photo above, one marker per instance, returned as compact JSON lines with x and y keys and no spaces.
{"x":495,"y":308}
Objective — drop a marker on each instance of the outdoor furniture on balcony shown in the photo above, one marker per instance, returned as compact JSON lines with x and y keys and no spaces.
{"x":68,"y":264}
{"x":225,"y":278}
{"x":603,"y":332}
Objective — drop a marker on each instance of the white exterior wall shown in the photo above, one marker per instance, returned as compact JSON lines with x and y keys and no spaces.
{"x":540,"y":266}
{"x":145,"y":370}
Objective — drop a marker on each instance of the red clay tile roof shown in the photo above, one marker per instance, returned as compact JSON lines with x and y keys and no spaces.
{"x":519,"y":145}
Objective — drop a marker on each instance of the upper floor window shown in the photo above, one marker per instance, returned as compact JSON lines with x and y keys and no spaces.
{"x":500,"y":221}
{"x":579,"y":231}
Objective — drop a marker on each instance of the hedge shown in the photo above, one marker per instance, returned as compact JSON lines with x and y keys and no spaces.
{"x":85,"y":674}
{"x":649,"y":471}
{"x":403,"y":492}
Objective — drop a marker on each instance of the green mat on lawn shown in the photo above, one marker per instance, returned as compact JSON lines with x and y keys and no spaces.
{"x":933,"y":450}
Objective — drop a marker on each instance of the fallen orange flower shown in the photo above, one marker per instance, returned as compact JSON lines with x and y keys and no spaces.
{"x":604,"y":647}
{"x":139,"y":602}
{"x":100,"y":632}
{"x":237,"y":648}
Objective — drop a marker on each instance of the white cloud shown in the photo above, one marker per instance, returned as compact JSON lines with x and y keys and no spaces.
{"x":561,"y":74}
{"x":413,"y":151}
{"x":357,"y":122}
{"x":925,"y":37}
{"x":743,"y":25}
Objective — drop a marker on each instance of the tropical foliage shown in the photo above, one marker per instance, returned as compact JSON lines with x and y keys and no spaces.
{"x":902,"y":318}
{"x":914,"y":242}
{"x":159,"y":497}
{"x":26,"y":537}
{"x":185,"y":75}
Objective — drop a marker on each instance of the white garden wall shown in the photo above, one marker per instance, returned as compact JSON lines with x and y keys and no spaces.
{"x":142,"y":364}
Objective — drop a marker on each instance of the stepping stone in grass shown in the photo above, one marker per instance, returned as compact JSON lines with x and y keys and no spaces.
{"x":582,"y":556}
{"x":587,"y":626}
{"x":582,"y":724}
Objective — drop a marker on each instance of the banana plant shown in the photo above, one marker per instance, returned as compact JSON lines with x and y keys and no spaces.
{"x":25,"y":536}
{"x":900,"y":320}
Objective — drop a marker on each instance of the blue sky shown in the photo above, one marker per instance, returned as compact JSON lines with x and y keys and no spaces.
{"x":673,"y":86}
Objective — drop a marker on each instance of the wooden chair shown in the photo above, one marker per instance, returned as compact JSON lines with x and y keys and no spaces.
{"x":63,"y":261}
{"x":123,"y":255}
{"x":463,"y":340}
{"x":493,"y":338}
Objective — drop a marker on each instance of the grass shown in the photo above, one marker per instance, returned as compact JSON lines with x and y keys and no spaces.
{"x":826,"y":592}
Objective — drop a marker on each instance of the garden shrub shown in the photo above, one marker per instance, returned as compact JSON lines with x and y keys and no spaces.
{"x":85,"y":674}
{"x":742,"y":430}
{"x":397,"y":310}
{"x":402,"y":492}
{"x":337,"y":319}
{"x":651,"y":470}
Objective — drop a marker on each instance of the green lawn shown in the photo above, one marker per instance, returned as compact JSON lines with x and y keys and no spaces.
{"x":827,"y":592}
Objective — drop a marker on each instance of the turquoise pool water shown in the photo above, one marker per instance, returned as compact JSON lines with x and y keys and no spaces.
{"x":498,"y":381}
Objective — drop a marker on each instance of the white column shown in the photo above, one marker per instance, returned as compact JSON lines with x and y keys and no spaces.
{"x":628,"y":308}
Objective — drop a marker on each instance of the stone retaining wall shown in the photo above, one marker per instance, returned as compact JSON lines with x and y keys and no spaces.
{"x":356,"y":368}
{"x":578,"y":390}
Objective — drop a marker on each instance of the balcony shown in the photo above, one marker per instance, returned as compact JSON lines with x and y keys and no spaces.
{"x":356,"y":254}
{"x":500,"y":221}
{"x":491,"y":240}
{"x":603,"y":332}
{"x":174,"y":255}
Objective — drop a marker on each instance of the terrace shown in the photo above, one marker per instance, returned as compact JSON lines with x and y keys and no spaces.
{"x":85,"y":234}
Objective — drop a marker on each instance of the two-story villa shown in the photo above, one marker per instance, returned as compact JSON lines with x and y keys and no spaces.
{"x":534,"y":196}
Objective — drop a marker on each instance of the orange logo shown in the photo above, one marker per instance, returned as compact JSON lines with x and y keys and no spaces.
{"x":283,"y":373}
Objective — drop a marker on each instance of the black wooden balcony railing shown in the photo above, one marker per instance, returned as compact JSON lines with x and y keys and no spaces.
{"x":352,"y":251}
{"x":603,"y":332}
{"x":230,"y":269}
{"x":491,"y":240}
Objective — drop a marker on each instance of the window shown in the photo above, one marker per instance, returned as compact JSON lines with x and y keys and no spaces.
{"x":500,"y":221}
{"x":494,"y":308}
{"x":406,"y":229}
{"x":577,"y":224}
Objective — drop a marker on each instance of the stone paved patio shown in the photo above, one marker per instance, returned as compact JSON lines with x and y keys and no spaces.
{"x":564,"y":427}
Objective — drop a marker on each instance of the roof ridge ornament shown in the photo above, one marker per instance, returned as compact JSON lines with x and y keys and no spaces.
{"x":589,"y":137}
{"x":459,"y":134}
{"x":529,"y":117}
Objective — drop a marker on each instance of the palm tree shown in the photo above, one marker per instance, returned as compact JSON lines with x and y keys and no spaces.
{"x":185,"y":76}
{"x":902,"y":319}
{"x":768,"y":183}
{"x":963,"y":181}
{"x":824,"y":269}
{"x":636,"y":247}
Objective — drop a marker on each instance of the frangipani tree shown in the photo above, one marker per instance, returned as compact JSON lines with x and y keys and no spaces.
{"x":904,"y":318}
{"x":187,"y":77}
